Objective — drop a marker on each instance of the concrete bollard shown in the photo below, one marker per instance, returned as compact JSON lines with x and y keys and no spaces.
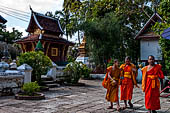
{"x":27,"y":71}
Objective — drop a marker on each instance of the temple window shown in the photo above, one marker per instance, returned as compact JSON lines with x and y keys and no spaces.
{"x":54,"y":52}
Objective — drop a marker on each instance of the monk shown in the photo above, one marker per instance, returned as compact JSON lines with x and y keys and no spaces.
{"x":128,"y":80}
{"x":112,"y":79}
{"x":151,"y":84}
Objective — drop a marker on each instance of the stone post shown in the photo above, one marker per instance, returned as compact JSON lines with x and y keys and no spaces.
{"x":27,"y":70}
{"x":52,"y":71}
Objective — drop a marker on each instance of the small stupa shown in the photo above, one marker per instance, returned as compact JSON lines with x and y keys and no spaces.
{"x":83,"y":57}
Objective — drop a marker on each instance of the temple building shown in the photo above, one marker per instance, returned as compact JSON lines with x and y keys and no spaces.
{"x":48,"y":32}
{"x":149,"y":41}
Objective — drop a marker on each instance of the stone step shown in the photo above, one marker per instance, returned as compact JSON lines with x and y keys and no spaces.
{"x":46,"y":78}
{"x":52,"y":85}
{"x":48,"y":82}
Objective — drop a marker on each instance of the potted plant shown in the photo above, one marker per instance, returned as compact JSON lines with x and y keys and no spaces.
{"x":30,"y":92}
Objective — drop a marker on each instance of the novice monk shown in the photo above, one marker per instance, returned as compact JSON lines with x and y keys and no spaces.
{"x":128,"y":80}
{"x":112,"y":79}
{"x":151,"y":84}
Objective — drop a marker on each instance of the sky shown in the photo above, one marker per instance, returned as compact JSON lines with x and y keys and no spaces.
{"x":41,"y":6}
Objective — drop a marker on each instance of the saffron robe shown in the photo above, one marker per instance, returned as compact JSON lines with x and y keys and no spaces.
{"x":151,"y":86}
{"x":112,"y":88}
{"x":128,"y":80}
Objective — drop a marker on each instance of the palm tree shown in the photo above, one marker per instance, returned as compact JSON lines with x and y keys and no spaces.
{"x":69,"y":8}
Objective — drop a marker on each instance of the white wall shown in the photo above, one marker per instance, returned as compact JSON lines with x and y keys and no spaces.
{"x":150,"y":47}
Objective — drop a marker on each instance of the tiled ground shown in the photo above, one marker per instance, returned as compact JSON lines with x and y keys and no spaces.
{"x":89,"y":98}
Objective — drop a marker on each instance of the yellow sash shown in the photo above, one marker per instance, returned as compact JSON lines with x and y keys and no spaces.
{"x":127,"y":74}
{"x":153,"y":77}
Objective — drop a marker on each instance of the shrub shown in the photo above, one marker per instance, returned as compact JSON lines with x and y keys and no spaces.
{"x":76,"y":70}
{"x":38,"y":61}
{"x":85,"y":71}
{"x":110,"y":63}
{"x":30,"y":88}
{"x":70,"y":58}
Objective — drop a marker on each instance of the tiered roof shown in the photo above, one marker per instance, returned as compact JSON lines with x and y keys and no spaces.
{"x":50,"y":30}
{"x":44,"y":23}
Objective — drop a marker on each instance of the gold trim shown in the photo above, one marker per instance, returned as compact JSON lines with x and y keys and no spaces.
{"x":56,"y":51}
{"x":47,"y":48}
{"x":43,"y":44}
{"x":64,"y":50}
{"x":33,"y":48}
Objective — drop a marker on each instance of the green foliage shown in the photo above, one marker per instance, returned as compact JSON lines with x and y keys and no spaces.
{"x":70,"y":58}
{"x":73,"y":70}
{"x":102,"y":38}
{"x":130,"y":16}
{"x":76,"y":70}
{"x":164,"y":10}
{"x":85,"y":71}
{"x":30,"y":88}
{"x":111,"y":62}
{"x":38,"y":61}
{"x":9,"y":37}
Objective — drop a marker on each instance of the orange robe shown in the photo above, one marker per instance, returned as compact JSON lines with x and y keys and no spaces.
{"x":128,"y":80}
{"x":151,"y":86}
{"x":112,"y":89}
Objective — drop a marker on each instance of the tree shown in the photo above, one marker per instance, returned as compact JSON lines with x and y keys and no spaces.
{"x":164,"y":11}
{"x":70,"y":8}
{"x":9,"y":37}
{"x":103,"y":38}
{"x":38,"y":61}
{"x":67,"y":23}
{"x":131,"y":15}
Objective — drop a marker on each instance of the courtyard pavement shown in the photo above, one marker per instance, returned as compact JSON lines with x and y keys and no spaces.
{"x":89,"y":98}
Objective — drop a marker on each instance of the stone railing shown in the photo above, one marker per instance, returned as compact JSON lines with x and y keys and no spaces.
{"x":11,"y":81}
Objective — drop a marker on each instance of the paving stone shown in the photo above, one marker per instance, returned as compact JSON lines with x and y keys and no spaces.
{"x":76,"y":99}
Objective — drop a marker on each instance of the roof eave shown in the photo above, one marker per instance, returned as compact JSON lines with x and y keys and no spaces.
{"x":155,"y":14}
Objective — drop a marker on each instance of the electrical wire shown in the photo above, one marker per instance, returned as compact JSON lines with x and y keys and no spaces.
{"x":15,"y":9}
{"x":14,"y":12}
{"x":14,"y":16}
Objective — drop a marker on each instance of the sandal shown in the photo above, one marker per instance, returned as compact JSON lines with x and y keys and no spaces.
{"x":118,"y":108}
{"x":110,"y":107}
{"x":124,"y":107}
{"x":130,"y":104}
{"x":153,"y":111}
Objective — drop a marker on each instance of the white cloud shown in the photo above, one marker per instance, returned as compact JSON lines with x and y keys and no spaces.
{"x":41,"y":6}
{"x":19,"y":29}
{"x":37,"y":5}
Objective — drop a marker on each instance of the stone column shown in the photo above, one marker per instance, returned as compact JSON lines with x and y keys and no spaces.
{"x":27,"y":71}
